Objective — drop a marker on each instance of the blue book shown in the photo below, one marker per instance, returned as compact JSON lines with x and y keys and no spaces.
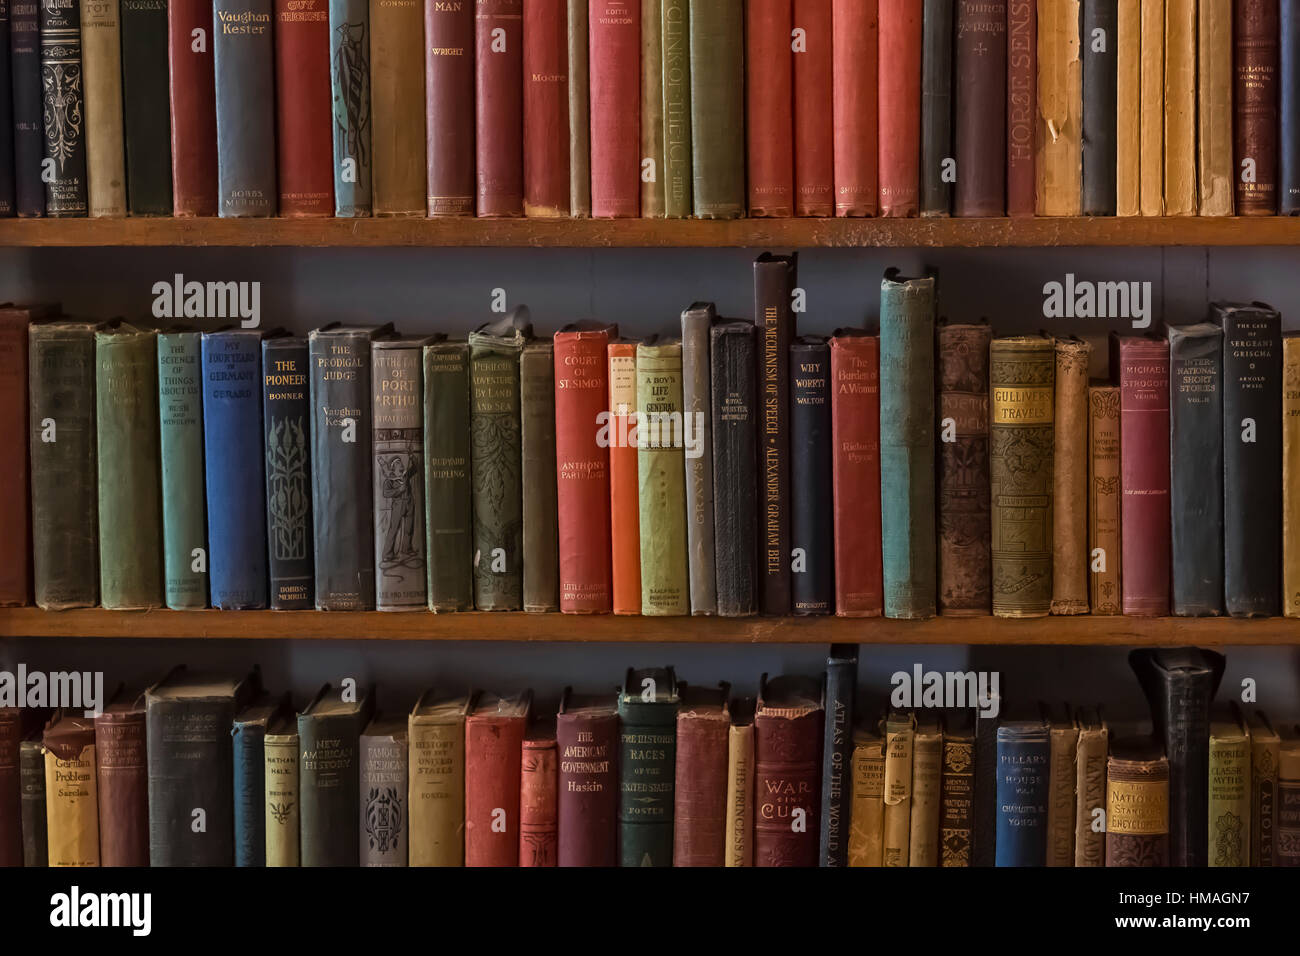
{"x":248,"y":734}
{"x":243,"y":56}
{"x":28,"y":121}
{"x":1289,"y":135}
{"x":350,"y":80}
{"x":1023,"y":774}
{"x":232,"y":444}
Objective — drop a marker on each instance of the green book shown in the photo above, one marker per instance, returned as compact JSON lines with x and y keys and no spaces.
{"x":647,"y":760}
{"x":676,"y":44}
{"x":717,"y":138}
{"x":652,"y":110}
{"x":130,"y":492}
{"x":661,"y":475}
{"x":180,"y":421}
{"x":447,"y":488}
{"x":1229,"y":834}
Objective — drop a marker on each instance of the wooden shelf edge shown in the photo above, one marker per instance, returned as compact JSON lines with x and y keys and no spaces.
{"x":653,"y":233}
{"x":565,"y":628}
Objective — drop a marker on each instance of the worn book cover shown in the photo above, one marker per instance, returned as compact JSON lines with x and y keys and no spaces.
{"x":647,"y":759}
{"x":397,"y":110}
{"x":1287,"y":838}
{"x":1070,"y":478}
{"x":739,"y":848}
{"x":384,"y":825}
{"x":243,"y":55}
{"x":1023,"y":779}
{"x":812,"y":506}
{"x":1090,"y":787}
{"x":1290,"y":469}
{"x":624,"y":488}
{"x":775,"y":278}
{"x":716,"y":138}
{"x":541,"y":585}
{"x":697,"y":412}
{"x":248,"y":736}
{"x":1128,"y":108}
{"x":71,"y":790}
{"x":1265,"y":751}
{"x":1063,"y":768}
{"x":855,"y":472}
{"x":101,"y":54}
{"x":1059,"y":163}
{"x":63,"y":165}
{"x":1180,"y":108}
{"x":700,"y":780}
{"x":329,"y":731}
{"x":899,"y":731}
{"x":436,"y":803}
{"x":122,"y":780}
{"x":349,"y":59}
{"x":1151,"y":134}
{"x":652,"y":106}
{"x":665,"y":584}
{"x":769,"y":107}
{"x":184,"y":496}
{"x":1230,"y":799}
{"x":1216,"y":173}
{"x":927,"y":774}
{"x":867,"y":806}
{"x":283,"y":798}
{"x":449,"y":543}
{"x":787,"y":771}
{"x":539,"y":796}
{"x":286,"y":420}
{"x":495,"y":731}
{"x":586,"y":735}
{"x":735,"y":483}
{"x":676,"y":78}
{"x":1104,"y":497}
{"x":957,"y":790}
{"x":837,"y":753}
{"x":979,"y":114}
{"x":450,"y":78}
{"x":1255,"y":95}
{"x":1137,"y":804}
{"x":937,"y":36}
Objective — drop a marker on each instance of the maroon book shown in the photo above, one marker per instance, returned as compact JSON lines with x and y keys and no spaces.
{"x":814,"y":147}
{"x":304,"y":108}
{"x":787,"y":771}
{"x":15,"y":526}
{"x":615,"y":32}
{"x":855,"y":473}
{"x":980,"y":118}
{"x":122,"y":770}
{"x":700,"y":781}
{"x":900,"y":107}
{"x":769,"y":107}
{"x":1141,"y":364}
{"x":1256,"y":82}
{"x":11,"y":806}
{"x":586,"y":736}
{"x":1022,"y":104}
{"x":546,"y":108}
{"x":449,"y":99}
{"x":193,"y":109}
{"x":494,"y":738}
{"x":538,"y":797}
{"x":499,"y":122}
{"x":856,"y":68}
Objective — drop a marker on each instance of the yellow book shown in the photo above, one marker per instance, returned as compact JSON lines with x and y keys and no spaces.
{"x":1059,"y":159}
{"x":867,"y":803}
{"x":436,"y":787}
{"x":1229,"y":832}
{"x":1291,"y":474}
{"x":1128,"y":108}
{"x":1214,"y":117}
{"x":1180,"y":108}
{"x":740,"y":785}
{"x":900,"y":732}
{"x":280,"y":747}
{"x":71,"y":794}
{"x":927,"y":762}
{"x":1153,"y":108}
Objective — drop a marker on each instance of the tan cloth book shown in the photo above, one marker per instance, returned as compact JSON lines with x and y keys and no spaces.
{"x":1128,"y":109}
{"x":740,"y":784}
{"x":867,"y":802}
{"x":1059,"y":160}
{"x":436,"y":780}
{"x":1180,"y":108}
{"x":1152,"y":198}
{"x":1214,"y":115}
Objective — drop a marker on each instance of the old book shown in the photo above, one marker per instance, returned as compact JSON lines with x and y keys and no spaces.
{"x":769,"y":107}
{"x":1099,"y":51}
{"x":652,"y":107}
{"x":145,"y":107}
{"x":775,"y":278}
{"x":581,"y":373}
{"x":867,"y":809}
{"x":1265,"y":751}
{"x":1022,"y":106}
{"x":286,"y":420}
{"x":451,"y":78}
{"x":283,"y":798}
{"x":193,"y":110}
{"x":1214,"y":114}
{"x":248,"y":740}
{"x":384,"y":823}
{"x":927,"y":774}
{"x":1090,"y":787}
{"x":899,"y":97}
{"x":243,"y":58}
{"x":700,"y":777}
{"x":675,"y":22}
{"x":907,"y":308}
{"x":1179,"y":684}
{"x":15,"y":473}
{"x":1137,"y":804}
{"x":586,"y":735}
{"x":63,"y":164}
{"x":329,"y":731}
{"x":965,"y":582}
{"x":697,"y":412}
{"x":1023,"y":792}
{"x":1104,"y":500}
{"x":624,"y":491}
{"x":735,"y":488}
{"x":1196,"y":468}
{"x":1021,"y":375}
{"x":814,"y":152}
{"x":539,"y":797}
{"x":71,"y":791}
{"x":1290,"y":467}
{"x":397,"y":113}
{"x":130,"y":492}
{"x":499,"y":111}
{"x":899,"y":731}
{"x":101,"y":56}
{"x":1229,"y":794}
{"x":957,"y":790}
{"x":787,"y":771}
{"x":234,"y":469}
{"x":1288,"y":175}
{"x":397,"y":441}
{"x":546,"y":108}
{"x":1058,"y":162}
{"x":494,"y":744}
{"x":1180,"y":197}
{"x":1063,"y":772}
{"x":436,"y":801}
{"x":855,"y":66}
{"x":937,"y":121}
{"x":1152,"y":124}
{"x":122,"y":781}
{"x":448,"y":489}
{"x":855,"y":472}
{"x":6,"y":121}
{"x":1128,"y":108}
{"x":579,"y":110}
{"x":304,"y":108}
{"x":180,"y":449}
{"x":812,"y":506}
{"x":980,"y":115}
{"x":837,"y":754}
{"x":615,"y":33}
{"x":28,"y":118}
{"x":349,"y":53}
{"x":665,"y":585}
{"x":985,"y":808}
{"x":13,"y":726}
{"x":541,"y":584}
{"x":739,"y":848}
{"x":35,"y":827}
{"x":1287,"y":835}
{"x":647,"y":717}
{"x":1255,"y":106}
{"x":1252,"y":457}
{"x":1070,"y":478}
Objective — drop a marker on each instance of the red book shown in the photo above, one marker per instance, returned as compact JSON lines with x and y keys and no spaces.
{"x":586,"y":736}
{"x":499,"y":123}
{"x":15,"y":528}
{"x":787,"y":771}
{"x":814,"y":151}
{"x":538,"y":812}
{"x":1142,"y":366}
{"x":11,"y":803}
{"x":582,"y":465}
{"x":449,"y":107}
{"x":193,"y":109}
{"x":1022,"y":104}
{"x":546,"y":108}
{"x":855,"y":473}
{"x":615,"y":30}
{"x":769,"y":107}
{"x":900,"y":107}
{"x":855,"y":62}
{"x":624,"y":486}
{"x":122,"y":777}
{"x":700,"y":781}
{"x":494,"y":740}
{"x":304,"y":108}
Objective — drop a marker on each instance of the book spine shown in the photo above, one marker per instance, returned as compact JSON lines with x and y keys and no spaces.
{"x":965,"y":582}
{"x":769,"y":107}
{"x":855,"y":475}
{"x":11,"y":807}
{"x":677,"y":21}
{"x":1023,"y":780}
{"x":31,"y":775}
{"x":739,"y":847}
{"x":232,"y":446}
{"x":624,"y":502}
{"x":539,"y":477}
{"x":329,"y":788}
{"x":72,"y":808}
{"x":193,"y":105}
{"x":981,"y":119}
{"x":956,"y":801}
{"x":700,"y":790}
{"x":652,"y":108}
{"x":1144,"y":476}
{"x":1252,"y":461}
{"x":282,"y":800}
{"x":101,"y":54}
{"x":546,"y":108}
{"x":1022,"y":106}
{"x":1196,"y":472}
{"x":1070,"y":479}
{"x":397,"y":107}
{"x":774,"y":281}
{"x":1290,"y":468}
{"x":1255,"y":106}
{"x":837,"y":755}
{"x":341,"y":473}
{"x":1137,"y":813}
{"x":350,"y":126}
{"x":812,"y":504}
{"x":587,"y":807}
{"x":183,"y":736}
{"x":65,"y":513}
{"x":1061,"y":796}
{"x":286,"y":410}
{"x":493,"y":765}
{"x":146,"y":107}
{"x":1180,"y":108}
{"x":907,"y":446}
{"x":866,"y":826}
{"x":647,"y":760}
{"x":714,"y":135}
{"x":451,"y":75}
{"x":855,"y":65}
{"x":184,"y":511}
{"x":243,"y":59}
{"x":1264,"y":756}
{"x":6,"y":114}
{"x":1128,"y":109}
{"x":1229,"y":800}
{"x":814,"y":151}
{"x":1287,"y":836}
{"x":1104,"y":501}
{"x":1151,"y":132}
{"x":247,"y":740}
{"x":495,"y":470}
{"x":615,"y":29}
{"x":1058,"y":163}
{"x":735,"y":538}
{"x":382,"y":822}
{"x":936,"y":106}
{"x":304,"y":108}
{"x":1185,"y":708}
{"x":63,"y":166}
{"x":538,"y":804}
{"x":1289,"y":132}
{"x":29,"y":122}
{"x":697,"y":412}
{"x":1100,"y":119}
{"x":1214,"y":143}
{"x":130,"y":496}
{"x":447,"y":485}
{"x":923,"y":830}
{"x":661,"y":476}
{"x":900,"y":107}
{"x":787,"y":773}
{"x":579,"y":111}
{"x":897,"y":795}
{"x":1090,"y":794}
{"x":15,"y":517}
{"x":398,"y":449}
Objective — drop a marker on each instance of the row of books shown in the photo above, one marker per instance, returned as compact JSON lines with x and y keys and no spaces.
{"x":658,"y":773}
{"x":653,"y":108}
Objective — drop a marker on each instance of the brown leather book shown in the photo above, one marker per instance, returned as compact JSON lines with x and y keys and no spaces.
{"x":740,"y":783}
{"x":1137,"y":804}
{"x":11,"y":806}
{"x":538,"y":780}
{"x":980,"y":117}
{"x":123,"y":781}
{"x":1090,"y":787}
{"x":787,"y":771}
{"x":1103,"y":500}
{"x":1255,"y":106}
{"x":1059,"y":160}
{"x":499,"y":125}
{"x":449,"y":93}
{"x":546,"y":108}
{"x":71,"y":804}
{"x":15,"y":527}
{"x":927,"y":769}
{"x":1063,"y":741}
{"x":1265,"y":751}
{"x":1286,"y":839}
{"x":700,"y":787}
{"x":867,"y":804}
{"x":1070,"y":479}
{"x":494,"y":738}
{"x":1022,"y":105}
{"x":397,"y":107}
{"x":899,"y":731}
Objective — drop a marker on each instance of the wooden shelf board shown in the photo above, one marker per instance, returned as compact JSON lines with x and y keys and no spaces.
{"x":481,"y":626}
{"x":647,"y":233}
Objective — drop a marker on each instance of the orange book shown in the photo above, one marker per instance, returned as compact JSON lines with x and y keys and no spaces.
{"x":624,"y":495}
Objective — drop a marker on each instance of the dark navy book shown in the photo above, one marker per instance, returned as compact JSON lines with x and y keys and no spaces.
{"x":28,"y":122}
{"x":232,"y":444}
{"x":6,"y":116}
{"x":243,"y":56}
{"x":249,"y":733}
{"x":286,"y":416}
{"x":812,"y":571}
{"x":837,"y":748}
{"x":1023,"y":775}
